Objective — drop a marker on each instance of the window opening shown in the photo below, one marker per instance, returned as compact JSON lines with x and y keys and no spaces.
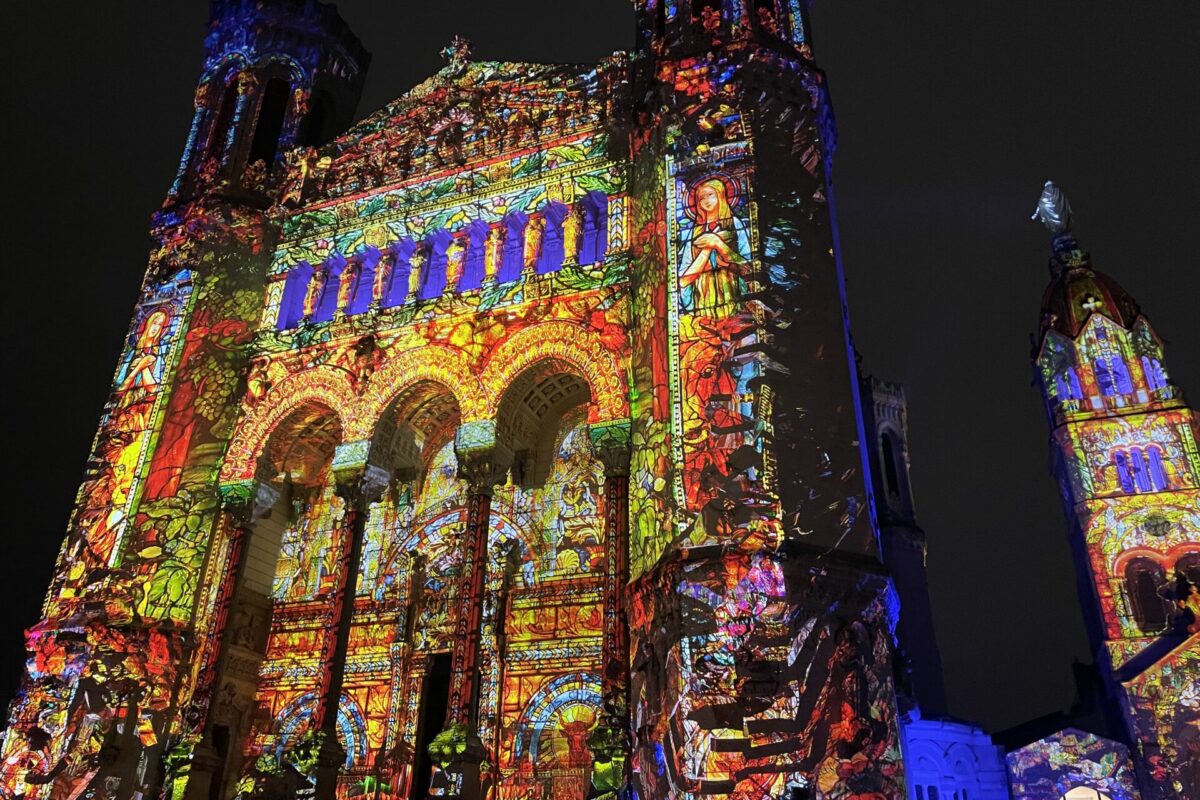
{"x":891,"y":473}
{"x":314,"y":132}
{"x":512,"y":258}
{"x":220,"y":130}
{"x":1141,"y":475}
{"x":270,"y":122}
{"x":1123,"y":474}
{"x":295,"y":291}
{"x":1143,"y":580}
{"x":1158,"y":474}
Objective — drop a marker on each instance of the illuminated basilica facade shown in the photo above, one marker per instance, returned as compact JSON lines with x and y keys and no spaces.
{"x":505,"y":443}
{"x":508,"y":444}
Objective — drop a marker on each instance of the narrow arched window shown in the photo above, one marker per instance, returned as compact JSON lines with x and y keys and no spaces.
{"x":474,"y":261}
{"x":1120,"y":371}
{"x":332,"y":291}
{"x":433,"y":276}
{"x":1141,"y":471}
{"x":1124,"y":476}
{"x":1143,"y":580}
{"x":1158,"y":474}
{"x":395,"y":288}
{"x":364,"y":286}
{"x":1156,"y":378}
{"x":269,"y":126}
{"x":314,"y":131}
{"x":1189,"y":565}
{"x":1104,"y":377}
{"x":550,"y":256}
{"x":224,"y":121}
{"x":890,"y":471}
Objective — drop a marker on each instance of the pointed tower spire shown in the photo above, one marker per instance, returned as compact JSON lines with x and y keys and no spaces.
{"x":1123,"y":451}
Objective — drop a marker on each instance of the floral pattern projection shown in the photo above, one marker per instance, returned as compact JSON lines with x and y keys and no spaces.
{"x":1050,"y":768}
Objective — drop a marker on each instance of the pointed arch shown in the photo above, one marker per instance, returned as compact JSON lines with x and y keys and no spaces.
{"x":581,"y":350}
{"x":323,"y":386}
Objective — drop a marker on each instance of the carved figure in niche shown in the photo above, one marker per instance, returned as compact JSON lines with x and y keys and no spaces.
{"x":417,"y":263}
{"x":715,"y":248}
{"x":383,"y":271}
{"x":348,"y":279}
{"x":312,"y":295}
{"x":533,"y":241}
{"x":257,"y":382}
{"x":492,"y":248}
{"x":455,"y":255}
{"x":571,"y":227}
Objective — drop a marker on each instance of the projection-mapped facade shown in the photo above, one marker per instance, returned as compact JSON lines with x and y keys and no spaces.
{"x":505,"y":443}
{"x":1124,"y":451}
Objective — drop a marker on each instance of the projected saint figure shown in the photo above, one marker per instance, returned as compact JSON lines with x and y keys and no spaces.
{"x":123,"y":439}
{"x":715,"y":249}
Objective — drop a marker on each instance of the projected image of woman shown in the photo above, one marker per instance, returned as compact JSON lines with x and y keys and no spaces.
{"x":715,"y":250}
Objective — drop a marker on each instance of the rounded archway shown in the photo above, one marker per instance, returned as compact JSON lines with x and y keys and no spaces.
{"x":532,"y":411}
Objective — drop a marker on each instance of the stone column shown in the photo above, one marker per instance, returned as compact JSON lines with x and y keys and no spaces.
{"x":242,"y":504}
{"x":610,"y":739}
{"x":482,"y":463}
{"x":359,"y":484}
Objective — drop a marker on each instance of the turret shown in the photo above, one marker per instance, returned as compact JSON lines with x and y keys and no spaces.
{"x":277,"y":75}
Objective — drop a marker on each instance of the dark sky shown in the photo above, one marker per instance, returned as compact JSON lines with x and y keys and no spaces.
{"x":951,"y":116}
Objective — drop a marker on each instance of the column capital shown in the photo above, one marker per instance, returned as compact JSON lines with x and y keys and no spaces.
{"x":610,"y":441}
{"x":247,"y":501}
{"x":482,"y":460}
{"x":359,"y":481}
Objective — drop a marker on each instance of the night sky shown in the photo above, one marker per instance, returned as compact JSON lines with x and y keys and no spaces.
{"x":950,"y":115}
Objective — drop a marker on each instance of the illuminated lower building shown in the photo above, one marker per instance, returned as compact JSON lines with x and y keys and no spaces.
{"x":505,"y":443}
{"x":1124,"y":451}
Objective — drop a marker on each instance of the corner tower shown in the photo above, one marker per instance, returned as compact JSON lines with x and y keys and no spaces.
{"x":761,"y":639}
{"x":1124,"y":451}
{"x":279,"y":76}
